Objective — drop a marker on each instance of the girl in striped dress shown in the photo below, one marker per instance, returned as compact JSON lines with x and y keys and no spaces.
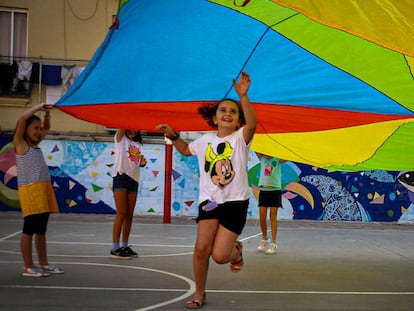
{"x":37,"y":199}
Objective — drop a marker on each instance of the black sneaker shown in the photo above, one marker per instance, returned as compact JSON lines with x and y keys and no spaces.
{"x":120,"y":254}
{"x":130,"y":251}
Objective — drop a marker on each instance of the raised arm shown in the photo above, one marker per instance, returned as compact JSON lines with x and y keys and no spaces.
{"x":18,"y":138}
{"x":46,"y":121}
{"x":119,"y":134}
{"x":178,"y":143}
{"x":241,"y":88}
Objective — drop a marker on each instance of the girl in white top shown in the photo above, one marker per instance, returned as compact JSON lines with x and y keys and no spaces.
{"x":128,"y":151}
{"x":126,"y":170}
{"x":224,"y":192}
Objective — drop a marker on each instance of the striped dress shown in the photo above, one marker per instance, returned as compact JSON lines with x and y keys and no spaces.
{"x":35,"y":189}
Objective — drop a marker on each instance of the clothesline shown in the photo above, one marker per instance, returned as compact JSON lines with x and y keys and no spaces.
{"x":18,"y":74}
{"x":42,"y":59}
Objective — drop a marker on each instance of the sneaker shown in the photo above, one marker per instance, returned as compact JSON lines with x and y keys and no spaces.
{"x":37,"y":272}
{"x":120,"y":254}
{"x":272,"y":249}
{"x":130,"y":251}
{"x":262,"y":245}
{"x":52,"y":269}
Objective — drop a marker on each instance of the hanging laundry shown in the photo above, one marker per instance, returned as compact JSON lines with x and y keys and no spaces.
{"x":24,"y":70}
{"x":79,"y":70}
{"x":7,"y":73}
{"x":68,"y":75}
{"x":35,"y":73}
{"x":51,"y":75}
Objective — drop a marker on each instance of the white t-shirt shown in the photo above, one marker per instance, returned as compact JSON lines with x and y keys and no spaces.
{"x":223,"y":167}
{"x":127,"y":158}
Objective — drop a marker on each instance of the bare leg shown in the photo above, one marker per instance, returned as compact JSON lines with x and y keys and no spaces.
{"x":224,"y":249}
{"x":273,"y":222}
{"x":212,"y":240}
{"x":206,"y":232}
{"x":121,"y":211}
{"x":40,"y":242}
{"x":129,"y":215}
{"x":26,"y":249}
{"x":263,"y":223}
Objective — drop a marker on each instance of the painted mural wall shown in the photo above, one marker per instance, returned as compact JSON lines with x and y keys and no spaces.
{"x":81,"y":177}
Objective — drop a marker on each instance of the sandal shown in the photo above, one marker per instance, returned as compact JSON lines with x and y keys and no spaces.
{"x":196,"y":302}
{"x":237,"y":266}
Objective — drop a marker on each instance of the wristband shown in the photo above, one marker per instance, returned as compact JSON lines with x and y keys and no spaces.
{"x":173,"y":137}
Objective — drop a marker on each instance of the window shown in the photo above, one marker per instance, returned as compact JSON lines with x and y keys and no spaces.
{"x":13,"y":49}
{"x":13,"y":33}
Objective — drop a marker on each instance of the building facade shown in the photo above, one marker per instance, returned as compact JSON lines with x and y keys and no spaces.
{"x":45,"y":39}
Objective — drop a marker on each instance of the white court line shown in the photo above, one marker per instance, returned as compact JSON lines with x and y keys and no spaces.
{"x":277,"y":292}
{"x":187,"y":293}
{"x":221,"y":291}
{"x":102,"y":256}
{"x":82,"y":235}
{"x":132,"y":244}
{"x":106,"y":244}
{"x":120,"y":289}
{"x":251,"y":237}
{"x":10,"y":236}
{"x":295,"y":292}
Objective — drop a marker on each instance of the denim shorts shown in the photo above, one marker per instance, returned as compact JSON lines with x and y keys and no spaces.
{"x":122,"y":182}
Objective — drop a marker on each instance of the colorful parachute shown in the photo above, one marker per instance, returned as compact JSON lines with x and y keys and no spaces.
{"x":332,"y":81}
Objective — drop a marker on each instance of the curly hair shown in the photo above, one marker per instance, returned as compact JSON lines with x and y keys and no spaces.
{"x":208,"y":111}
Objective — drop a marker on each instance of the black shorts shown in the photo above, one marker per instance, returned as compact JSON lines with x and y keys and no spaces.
{"x":231,"y":215}
{"x":35,"y":224}
{"x":124,"y":183}
{"x":272,"y":198}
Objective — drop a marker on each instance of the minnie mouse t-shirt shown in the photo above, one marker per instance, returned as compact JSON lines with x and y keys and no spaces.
{"x":223,"y":167}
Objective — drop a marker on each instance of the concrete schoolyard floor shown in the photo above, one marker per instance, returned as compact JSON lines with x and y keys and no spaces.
{"x":318,"y":266}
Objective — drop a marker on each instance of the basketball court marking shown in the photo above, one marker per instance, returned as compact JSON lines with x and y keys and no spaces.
{"x":191,"y":289}
{"x":10,"y":236}
{"x":187,"y":293}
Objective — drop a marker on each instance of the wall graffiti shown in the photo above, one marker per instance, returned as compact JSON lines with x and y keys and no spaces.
{"x":81,"y":177}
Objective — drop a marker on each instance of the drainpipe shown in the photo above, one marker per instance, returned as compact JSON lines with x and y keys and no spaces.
{"x":168,"y":181}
